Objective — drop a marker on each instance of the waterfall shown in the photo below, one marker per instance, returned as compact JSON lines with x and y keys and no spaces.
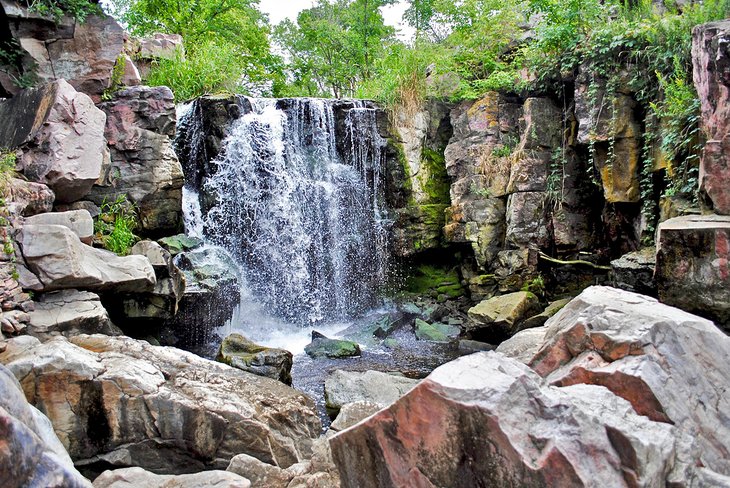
{"x":296,"y":197}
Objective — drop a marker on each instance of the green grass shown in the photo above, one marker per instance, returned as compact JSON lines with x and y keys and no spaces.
{"x":114,"y":227}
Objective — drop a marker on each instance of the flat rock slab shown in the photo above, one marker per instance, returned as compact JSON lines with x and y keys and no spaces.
{"x":693,"y":265}
{"x":79,"y":221}
{"x":504,"y":312}
{"x":59,"y":260}
{"x":68,"y":313}
{"x":119,"y":401}
{"x":139,"y":478}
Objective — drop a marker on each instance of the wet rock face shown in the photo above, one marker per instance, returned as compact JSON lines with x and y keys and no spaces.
{"x":613,"y":374}
{"x":61,"y":134}
{"x":140,"y":124}
{"x":123,"y":402}
{"x":241,"y":353}
{"x":692,"y":265}
{"x":32,"y":453}
{"x":711,"y":60}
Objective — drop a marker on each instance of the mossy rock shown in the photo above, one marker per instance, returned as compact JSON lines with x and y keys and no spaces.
{"x":180,"y":243}
{"x":322,"y":346}
{"x":426,"y":278}
{"x":435,"y":332}
{"x":239,"y":352}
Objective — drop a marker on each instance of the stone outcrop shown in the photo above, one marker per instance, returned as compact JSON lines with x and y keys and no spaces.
{"x":711,"y":61}
{"x":156,"y":47}
{"x":61,"y":134}
{"x":343,"y":387}
{"x":32,"y":455}
{"x":692,"y":270}
{"x":325,"y":347}
{"x":69,"y":313}
{"x":83,"y":53}
{"x":635,"y":272}
{"x":241,"y":353}
{"x":124,"y":478}
{"x":25,"y":198}
{"x":616,"y":375}
{"x":140,"y":123}
{"x":59,"y":260}
{"x":121,"y":402}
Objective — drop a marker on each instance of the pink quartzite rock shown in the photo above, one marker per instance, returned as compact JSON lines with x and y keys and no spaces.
{"x":61,"y":134}
{"x":711,"y":60}
{"x":623,"y":391}
{"x":692,"y":268}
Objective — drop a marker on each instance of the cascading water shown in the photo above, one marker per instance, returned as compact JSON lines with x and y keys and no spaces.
{"x":296,"y":197}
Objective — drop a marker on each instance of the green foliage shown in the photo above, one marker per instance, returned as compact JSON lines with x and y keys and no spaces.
{"x":8,"y":159}
{"x":535,"y":285}
{"x":116,"y":78}
{"x":114,"y":227}
{"x":226,"y":43}
{"x":78,"y":9}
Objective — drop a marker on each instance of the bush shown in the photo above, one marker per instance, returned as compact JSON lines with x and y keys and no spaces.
{"x":114,"y":227}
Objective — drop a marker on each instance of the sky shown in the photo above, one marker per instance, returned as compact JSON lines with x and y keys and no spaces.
{"x":278,"y":10}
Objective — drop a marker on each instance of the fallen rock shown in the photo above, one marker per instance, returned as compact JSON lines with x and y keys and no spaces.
{"x":69,"y":313}
{"x":322,"y":346}
{"x":435,"y":332}
{"x":260,"y":473}
{"x":32,"y":455}
{"x":138,"y":477}
{"x":692,"y":270}
{"x":502,"y":314}
{"x":467,"y":346}
{"x":61,"y":133}
{"x":343,"y":387}
{"x":56,"y":256}
{"x":180,"y":243}
{"x":524,"y":345}
{"x":122,"y":402}
{"x":465,"y":426}
{"x":241,"y":353}
{"x":353,"y":413}
{"x":710,"y":60}
{"x":79,"y":221}
{"x":635,"y":272}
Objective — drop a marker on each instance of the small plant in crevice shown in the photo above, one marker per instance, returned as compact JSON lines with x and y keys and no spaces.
{"x":535,"y":285}
{"x":116,"y":79}
{"x":114,"y":227}
{"x":7,"y":171}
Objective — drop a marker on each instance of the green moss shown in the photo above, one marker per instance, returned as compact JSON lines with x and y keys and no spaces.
{"x":437,"y":185}
{"x":425,"y":278}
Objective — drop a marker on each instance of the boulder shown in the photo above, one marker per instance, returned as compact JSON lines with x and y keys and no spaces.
{"x":692,"y":270}
{"x":144,"y":167}
{"x":467,"y":346}
{"x":25,"y":198}
{"x":161,"y":46}
{"x":260,"y":473}
{"x":241,"y":353}
{"x":353,"y":413}
{"x":58,"y":259}
{"x":710,"y":59}
{"x":523,"y":345}
{"x":79,"y":221}
{"x":131,"y":76}
{"x":540,"y":319}
{"x":69,"y":313}
{"x":635,"y":272}
{"x":343,"y":387}
{"x":138,"y":477}
{"x":465,"y":425}
{"x":324,"y":347}
{"x":180,"y":243}
{"x":61,"y":133}
{"x":122,"y":402}
{"x":32,"y":455}
{"x":671,"y":367}
{"x":435,"y":332}
{"x":503,"y":314}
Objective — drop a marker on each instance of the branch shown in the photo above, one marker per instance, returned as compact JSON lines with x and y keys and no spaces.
{"x":575,"y":261}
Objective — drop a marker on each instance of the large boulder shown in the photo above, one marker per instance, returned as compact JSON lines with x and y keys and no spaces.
{"x":61,"y":134}
{"x":692,"y":270}
{"x":58,"y":260}
{"x":25,"y":198}
{"x":31,"y":455}
{"x":140,"y":122}
{"x":501,"y":315}
{"x":78,"y":221}
{"x":122,"y":402}
{"x":138,"y":477}
{"x":617,"y":375}
{"x":711,"y":61}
